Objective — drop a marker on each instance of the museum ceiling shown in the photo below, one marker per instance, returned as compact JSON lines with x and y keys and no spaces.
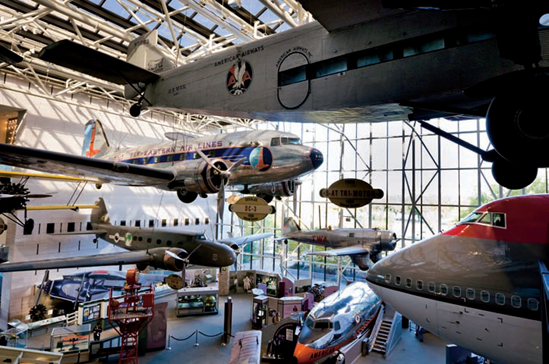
{"x":188,"y":30}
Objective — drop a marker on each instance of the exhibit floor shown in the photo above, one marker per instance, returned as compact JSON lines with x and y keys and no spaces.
{"x":209,"y":350}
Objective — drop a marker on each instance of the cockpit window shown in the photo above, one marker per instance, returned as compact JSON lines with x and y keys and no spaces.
{"x":472,"y":217}
{"x":309,"y":322}
{"x":485,"y":220}
{"x":275,"y":142}
{"x":285,"y":141}
{"x":498,"y":219}
{"x":323,"y":324}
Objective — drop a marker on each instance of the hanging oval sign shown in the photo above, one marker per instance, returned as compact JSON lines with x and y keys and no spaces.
{"x":351,"y":193}
{"x":251,"y":208}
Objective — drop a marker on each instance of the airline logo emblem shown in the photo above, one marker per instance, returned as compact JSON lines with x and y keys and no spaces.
{"x":261,"y":159}
{"x":91,"y":152}
{"x":239,"y":78}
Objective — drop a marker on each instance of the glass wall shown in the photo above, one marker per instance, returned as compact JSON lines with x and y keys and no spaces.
{"x":429,"y":184}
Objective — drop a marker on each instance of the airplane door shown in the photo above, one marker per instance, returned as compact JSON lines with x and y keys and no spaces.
{"x":294,"y":88}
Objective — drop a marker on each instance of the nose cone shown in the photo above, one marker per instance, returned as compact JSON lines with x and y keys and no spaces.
{"x":316,"y":158}
{"x":302,"y":354}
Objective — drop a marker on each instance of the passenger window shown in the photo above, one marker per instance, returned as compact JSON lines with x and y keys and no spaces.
{"x":432,"y":287}
{"x":197,"y":221}
{"x":533,"y":304}
{"x":122,"y":222}
{"x":175,"y":222}
{"x":207,"y":220}
{"x":293,"y":75}
{"x":137,"y":223}
{"x":485,"y":296}
{"x":456,"y":291}
{"x":419,"y":285}
{"x":330,"y":67}
{"x":164,"y":223}
{"x":169,"y":242}
{"x":71,"y":227}
{"x":387,"y":278}
{"x":149,"y":240}
{"x":516,"y":301}
{"x":470,"y":294}
{"x":50,"y":228}
{"x":408,"y":283}
{"x":444,"y":289}
{"x":151,"y":223}
{"x":158,"y":241}
{"x":397,"y":280}
{"x":187,"y":222}
{"x":500,"y":298}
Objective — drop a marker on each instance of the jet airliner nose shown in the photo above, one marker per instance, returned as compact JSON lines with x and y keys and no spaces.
{"x":316,"y":158}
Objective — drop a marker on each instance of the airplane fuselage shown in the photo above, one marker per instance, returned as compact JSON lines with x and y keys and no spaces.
{"x":478,"y":284}
{"x":359,"y":73}
{"x":338,"y":238}
{"x":208,"y":253}
{"x":268,"y":156}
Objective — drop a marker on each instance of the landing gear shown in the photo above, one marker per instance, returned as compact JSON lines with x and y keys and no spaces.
{"x":135,"y":110}
{"x":186,"y":196}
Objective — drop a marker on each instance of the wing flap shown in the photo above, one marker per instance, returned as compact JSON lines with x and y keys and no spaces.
{"x":120,"y":258}
{"x":103,"y":170}
{"x":92,"y":62}
{"x":349,"y":250}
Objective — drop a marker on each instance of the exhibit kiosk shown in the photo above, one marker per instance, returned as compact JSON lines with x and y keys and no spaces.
{"x":197,"y":301}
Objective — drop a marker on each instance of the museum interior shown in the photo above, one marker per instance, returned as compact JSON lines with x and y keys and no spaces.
{"x":245,"y":181}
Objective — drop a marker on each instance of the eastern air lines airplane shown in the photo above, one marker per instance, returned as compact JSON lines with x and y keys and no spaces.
{"x":268,"y":161}
{"x":478,"y":284}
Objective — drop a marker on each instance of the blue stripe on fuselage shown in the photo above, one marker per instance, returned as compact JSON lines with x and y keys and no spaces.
{"x":232,"y":154}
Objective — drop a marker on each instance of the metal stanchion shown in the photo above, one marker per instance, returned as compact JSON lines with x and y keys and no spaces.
{"x":228,"y":321}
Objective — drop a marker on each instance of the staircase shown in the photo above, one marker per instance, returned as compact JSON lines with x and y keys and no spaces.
{"x":380,"y":344}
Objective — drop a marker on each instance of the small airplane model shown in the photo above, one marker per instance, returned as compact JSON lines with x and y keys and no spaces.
{"x":14,"y":196}
{"x":477,"y":285}
{"x":336,"y":321}
{"x":162,"y":249}
{"x":362,"y":245}
{"x":363,"y":61}
{"x":258,"y":159}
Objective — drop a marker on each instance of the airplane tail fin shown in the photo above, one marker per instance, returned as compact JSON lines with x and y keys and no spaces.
{"x":95,"y":140}
{"x":100,"y":215}
{"x":290,"y":226}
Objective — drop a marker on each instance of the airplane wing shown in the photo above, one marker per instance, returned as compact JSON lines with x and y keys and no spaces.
{"x":85,"y":232}
{"x":11,"y":174}
{"x":92,"y":62}
{"x":119,"y":258}
{"x":73,"y":165}
{"x":336,"y":14}
{"x":349,"y":250}
{"x":245,"y":239}
{"x":69,"y":207}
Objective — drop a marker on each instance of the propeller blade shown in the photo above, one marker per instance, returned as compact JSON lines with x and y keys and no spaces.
{"x":173,"y":255}
{"x":221,"y":201}
{"x":237,"y":163}
{"x":195,"y":249}
{"x":206,"y":159}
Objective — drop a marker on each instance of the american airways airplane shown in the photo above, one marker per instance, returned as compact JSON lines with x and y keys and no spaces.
{"x":370,"y":60}
{"x":265,"y":162}
{"x":478,"y":284}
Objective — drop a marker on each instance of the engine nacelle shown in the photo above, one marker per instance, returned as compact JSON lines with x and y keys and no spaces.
{"x":277,"y":189}
{"x":165,"y":258}
{"x":199,"y":177}
{"x":387,"y":241}
{"x":362,"y":261}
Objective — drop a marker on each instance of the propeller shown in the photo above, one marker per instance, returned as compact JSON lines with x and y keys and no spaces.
{"x":225,"y":176}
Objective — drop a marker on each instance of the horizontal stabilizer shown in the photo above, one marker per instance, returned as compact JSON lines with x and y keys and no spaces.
{"x":350,"y":250}
{"x":95,"y":63}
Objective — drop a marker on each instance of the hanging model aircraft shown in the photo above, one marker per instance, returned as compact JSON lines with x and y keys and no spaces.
{"x":364,"y":61}
{"x":363,"y":246}
{"x":264,"y":162}
{"x":14,"y":196}
{"x":478,"y":284}
{"x":336,"y":321}
{"x":162,"y":249}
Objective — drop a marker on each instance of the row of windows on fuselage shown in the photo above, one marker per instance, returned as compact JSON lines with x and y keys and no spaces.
{"x":398,"y":50}
{"x":71,"y":226}
{"x":471,"y":294}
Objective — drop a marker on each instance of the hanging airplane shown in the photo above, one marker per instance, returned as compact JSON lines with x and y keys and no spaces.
{"x":364,"y":61}
{"x":363,"y":246}
{"x":162,"y":249}
{"x":260,"y":160}
{"x":15,"y":196}
{"x":336,"y":321}
{"x":477,"y":285}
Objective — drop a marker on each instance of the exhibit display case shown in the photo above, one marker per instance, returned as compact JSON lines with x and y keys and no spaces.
{"x":71,"y":338}
{"x":259,"y":313}
{"x":197,"y":301}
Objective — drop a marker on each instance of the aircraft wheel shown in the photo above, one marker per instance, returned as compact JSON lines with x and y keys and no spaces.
{"x":186,"y":196}
{"x":518,"y":125}
{"x":512,"y":176}
{"x":135,"y":110}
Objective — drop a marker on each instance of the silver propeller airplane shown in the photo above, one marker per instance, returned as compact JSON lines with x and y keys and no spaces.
{"x":162,"y":249}
{"x":361,"y":245}
{"x":265,"y":161}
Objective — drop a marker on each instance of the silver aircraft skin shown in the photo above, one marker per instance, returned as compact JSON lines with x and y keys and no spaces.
{"x":266,"y":160}
{"x":163,"y":249}
{"x":336,"y":321}
{"x":477,"y":285}
{"x":363,"y":61}
{"x":362,"y":245}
